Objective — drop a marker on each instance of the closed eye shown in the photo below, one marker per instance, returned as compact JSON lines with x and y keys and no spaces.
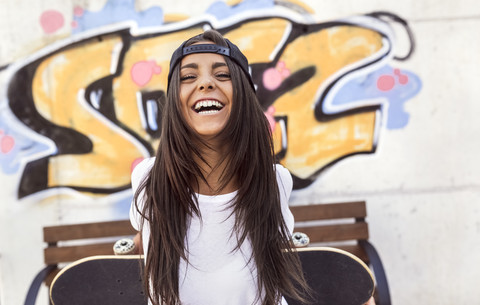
{"x":187,"y":77}
{"x":223,"y":75}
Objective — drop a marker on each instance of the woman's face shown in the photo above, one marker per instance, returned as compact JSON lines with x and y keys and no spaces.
{"x":206,"y":92}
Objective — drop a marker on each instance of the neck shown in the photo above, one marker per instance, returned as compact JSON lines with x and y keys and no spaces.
{"x":213,"y":168}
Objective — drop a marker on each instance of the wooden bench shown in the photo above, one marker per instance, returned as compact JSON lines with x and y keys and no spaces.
{"x":341,"y":225}
{"x":68,"y":243}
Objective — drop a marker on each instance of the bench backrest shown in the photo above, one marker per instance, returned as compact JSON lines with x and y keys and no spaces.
{"x":90,"y":239}
{"x":341,"y":225}
{"x":314,"y":220}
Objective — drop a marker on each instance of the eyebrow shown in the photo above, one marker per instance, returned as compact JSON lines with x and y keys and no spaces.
{"x":195,"y":66}
{"x":218,"y":64}
{"x":192,"y":65}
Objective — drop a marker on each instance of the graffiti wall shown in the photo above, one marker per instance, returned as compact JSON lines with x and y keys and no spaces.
{"x":80,"y":107}
{"x":80,"y":113}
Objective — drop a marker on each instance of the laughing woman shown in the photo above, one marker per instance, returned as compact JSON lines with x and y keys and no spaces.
{"x":212,"y":206}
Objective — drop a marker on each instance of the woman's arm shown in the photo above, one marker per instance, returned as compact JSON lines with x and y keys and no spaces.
{"x":138,"y":244}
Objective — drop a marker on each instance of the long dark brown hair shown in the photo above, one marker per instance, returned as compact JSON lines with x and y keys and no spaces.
{"x":170,"y":199}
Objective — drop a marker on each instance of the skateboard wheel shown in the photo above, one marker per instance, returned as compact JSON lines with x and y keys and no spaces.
{"x":123,"y":246}
{"x":300,"y":239}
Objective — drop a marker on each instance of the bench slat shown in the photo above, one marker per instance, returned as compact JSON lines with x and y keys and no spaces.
{"x":65,"y":254}
{"x":340,"y":232}
{"x":88,"y":230}
{"x":329,"y":211}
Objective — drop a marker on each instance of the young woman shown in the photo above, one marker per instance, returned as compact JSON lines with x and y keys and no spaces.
{"x":212,"y":206}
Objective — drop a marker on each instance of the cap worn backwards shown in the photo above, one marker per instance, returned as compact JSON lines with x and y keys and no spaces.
{"x":232,"y":51}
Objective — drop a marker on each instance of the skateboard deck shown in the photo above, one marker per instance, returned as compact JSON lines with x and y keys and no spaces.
{"x":337,"y":277}
{"x":100,"y":280}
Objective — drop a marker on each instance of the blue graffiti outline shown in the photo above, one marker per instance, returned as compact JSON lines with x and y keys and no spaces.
{"x":116,"y":11}
{"x":28,"y":144}
{"x":221,"y":10}
{"x":362,"y":89}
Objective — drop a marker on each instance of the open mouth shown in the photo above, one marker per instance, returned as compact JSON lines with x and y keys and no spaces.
{"x":208,"y":106}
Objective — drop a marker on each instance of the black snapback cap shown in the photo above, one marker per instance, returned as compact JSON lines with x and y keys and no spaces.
{"x":231,"y":51}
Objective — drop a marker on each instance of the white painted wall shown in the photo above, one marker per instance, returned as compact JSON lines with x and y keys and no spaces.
{"x":422,"y":186}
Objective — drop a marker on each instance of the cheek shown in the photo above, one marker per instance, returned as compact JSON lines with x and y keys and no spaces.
{"x":229,"y":93}
{"x":183,"y":96}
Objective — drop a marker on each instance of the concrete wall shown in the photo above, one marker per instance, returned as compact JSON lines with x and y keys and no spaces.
{"x":362,"y":125}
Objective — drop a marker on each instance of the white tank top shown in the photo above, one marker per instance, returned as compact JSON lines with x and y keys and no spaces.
{"x":216,"y":273}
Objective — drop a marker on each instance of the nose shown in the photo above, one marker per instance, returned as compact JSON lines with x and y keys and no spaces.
{"x":206,"y":83}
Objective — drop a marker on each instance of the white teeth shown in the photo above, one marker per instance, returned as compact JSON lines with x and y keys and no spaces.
{"x":208,"y":103}
{"x":209,"y":111}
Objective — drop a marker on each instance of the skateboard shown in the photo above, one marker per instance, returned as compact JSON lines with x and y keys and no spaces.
{"x":337,"y":277}
{"x":100,"y":280}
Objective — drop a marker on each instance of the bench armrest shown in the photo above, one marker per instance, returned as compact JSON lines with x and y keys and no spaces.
{"x":376,"y":264}
{"x":36,"y":283}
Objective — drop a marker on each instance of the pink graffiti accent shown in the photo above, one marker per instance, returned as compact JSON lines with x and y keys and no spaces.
{"x":51,"y":21}
{"x":385,"y":83}
{"x":78,"y":11}
{"x":273,"y":77}
{"x":402,"y":78}
{"x":143,"y":71}
{"x":6,"y":143}
{"x":135,"y":163}
{"x":270,"y":114}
